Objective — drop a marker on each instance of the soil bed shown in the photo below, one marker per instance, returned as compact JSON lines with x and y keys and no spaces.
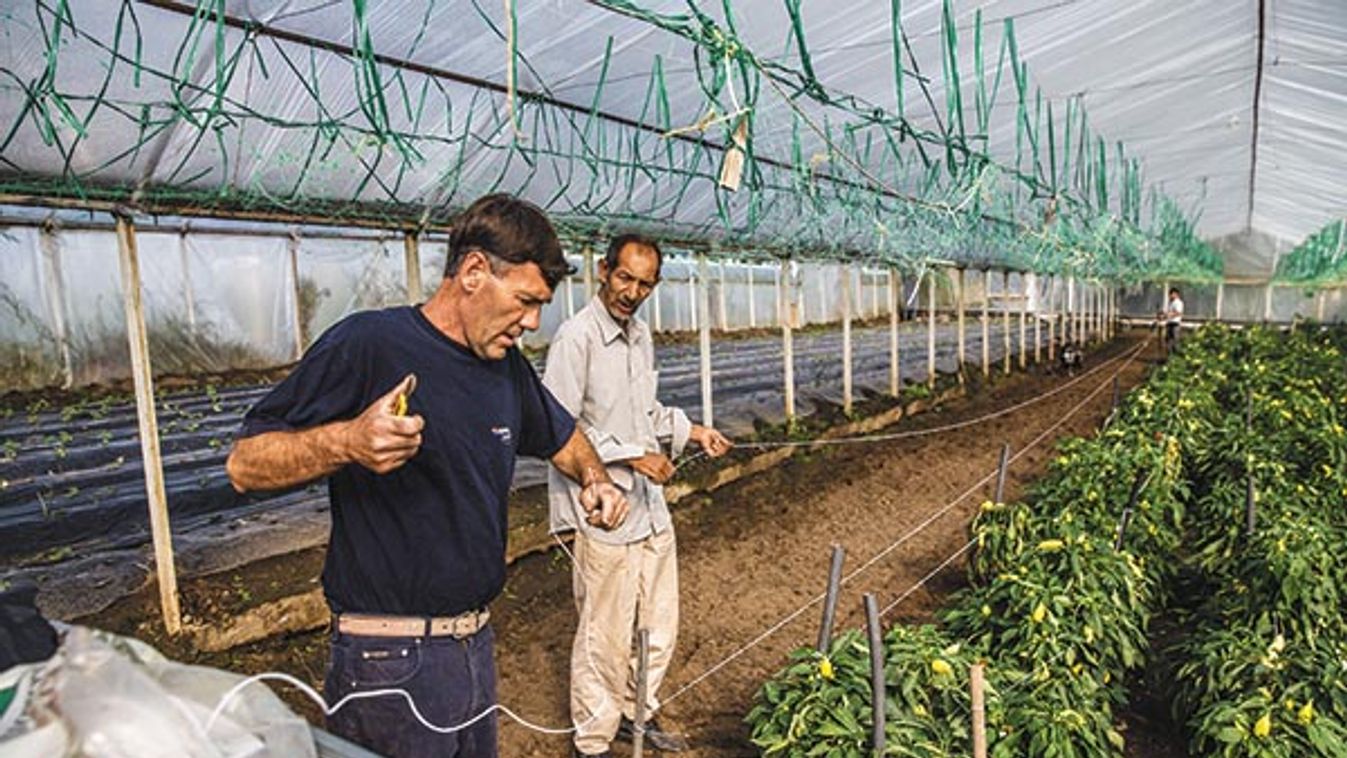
{"x":751,"y":553}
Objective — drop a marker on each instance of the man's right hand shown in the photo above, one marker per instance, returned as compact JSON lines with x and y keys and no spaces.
{"x":654,"y":466}
{"x":380,"y":438}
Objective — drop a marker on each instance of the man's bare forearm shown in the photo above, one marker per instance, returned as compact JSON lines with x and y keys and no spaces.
{"x":579,"y":461}
{"x":276,"y":460}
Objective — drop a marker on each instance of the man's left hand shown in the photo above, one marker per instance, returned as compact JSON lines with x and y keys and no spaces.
{"x":713,"y":442}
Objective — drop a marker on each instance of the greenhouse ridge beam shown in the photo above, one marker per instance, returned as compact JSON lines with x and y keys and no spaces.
{"x":1257,"y":97}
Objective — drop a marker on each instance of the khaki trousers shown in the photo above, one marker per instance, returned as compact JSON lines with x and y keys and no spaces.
{"x":619,"y":589}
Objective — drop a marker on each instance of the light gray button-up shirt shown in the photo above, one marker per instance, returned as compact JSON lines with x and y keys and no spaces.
{"x":604,"y":374}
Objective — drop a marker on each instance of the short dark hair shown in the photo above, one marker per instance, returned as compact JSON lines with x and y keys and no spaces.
{"x":1175,"y":291}
{"x":616,"y":244}
{"x":511,"y":230}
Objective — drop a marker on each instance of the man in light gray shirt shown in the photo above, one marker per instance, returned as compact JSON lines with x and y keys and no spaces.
{"x":600,"y":366}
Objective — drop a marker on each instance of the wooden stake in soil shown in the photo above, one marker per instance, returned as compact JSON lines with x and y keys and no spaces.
{"x":1001,"y":473}
{"x":975,"y":684}
{"x":642,"y":669}
{"x":1052,"y":319}
{"x":1024,"y":321}
{"x":825,"y":631}
{"x":143,"y":379}
{"x":1138,"y":484}
{"x":878,"y":697}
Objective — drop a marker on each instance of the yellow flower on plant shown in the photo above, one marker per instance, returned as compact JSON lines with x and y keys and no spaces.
{"x":825,"y":668}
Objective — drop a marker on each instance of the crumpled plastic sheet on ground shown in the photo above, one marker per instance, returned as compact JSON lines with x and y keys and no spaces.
{"x":102,"y":695}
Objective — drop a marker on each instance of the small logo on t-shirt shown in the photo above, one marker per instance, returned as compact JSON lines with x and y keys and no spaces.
{"x":502,"y":433}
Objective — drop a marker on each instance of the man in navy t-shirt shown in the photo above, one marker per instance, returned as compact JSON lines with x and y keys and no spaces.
{"x":415,"y":416}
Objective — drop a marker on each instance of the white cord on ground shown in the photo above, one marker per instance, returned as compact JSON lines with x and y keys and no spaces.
{"x":929,"y":576}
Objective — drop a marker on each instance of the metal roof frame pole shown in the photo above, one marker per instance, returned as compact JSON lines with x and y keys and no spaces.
{"x":704,"y":338}
{"x":786,"y":315}
{"x":411,"y":253}
{"x":1005,"y":322}
{"x":846,"y":339}
{"x":143,"y":379}
{"x":297,"y":311}
{"x":51,"y":261}
{"x":959,"y":307}
{"x":895,"y":375}
{"x":930,"y":328}
{"x":986,"y":323}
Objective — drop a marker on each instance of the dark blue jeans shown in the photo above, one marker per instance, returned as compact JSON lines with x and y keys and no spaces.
{"x":451,"y":681}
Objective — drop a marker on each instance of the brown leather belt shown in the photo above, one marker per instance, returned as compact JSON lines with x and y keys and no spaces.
{"x":369,"y":625}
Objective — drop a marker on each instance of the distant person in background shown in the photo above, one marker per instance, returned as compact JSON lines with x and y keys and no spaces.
{"x":601,"y":366}
{"x":414,"y":415}
{"x":1173,"y":318}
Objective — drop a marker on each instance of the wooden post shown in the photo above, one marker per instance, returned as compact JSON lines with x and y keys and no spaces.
{"x":1220,"y":299}
{"x":786,"y":316}
{"x":642,"y":674}
{"x":1052,"y":328}
{"x":975,"y":684}
{"x":570,"y":299}
{"x":825,"y":630}
{"x":51,"y":258}
{"x":1005,"y":322}
{"x":752,"y":306}
{"x":986,"y":323}
{"x":930,"y":329}
{"x":960,"y":301}
{"x":704,"y":340}
{"x":588,"y":252}
{"x":878,"y":696}
{"x":1038,"y":322}
{"x":846,"y":338}
{"x":724,"y":316}
{"x":693,"y":306}
{"x":297,"y":311}
{"x":143,"y":379}
{"x":895,"y":375}
{"x":1024,"y":322}
{"x":411,"y":256}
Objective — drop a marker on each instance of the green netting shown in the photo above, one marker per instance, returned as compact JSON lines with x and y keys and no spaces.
{"x":372,"y":135}
{"x":1319,"y":261}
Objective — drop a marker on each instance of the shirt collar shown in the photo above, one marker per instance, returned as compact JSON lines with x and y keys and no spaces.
{"x":609,"y":328}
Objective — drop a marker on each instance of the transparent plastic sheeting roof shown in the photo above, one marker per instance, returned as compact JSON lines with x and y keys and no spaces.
{"x":336,"y":108}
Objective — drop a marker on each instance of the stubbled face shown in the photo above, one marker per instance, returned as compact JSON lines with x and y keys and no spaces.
{"x":630,"y":282}
{"x":501,"y":304}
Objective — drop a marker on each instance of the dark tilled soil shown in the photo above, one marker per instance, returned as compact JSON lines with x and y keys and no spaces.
{"x":751,"y":554}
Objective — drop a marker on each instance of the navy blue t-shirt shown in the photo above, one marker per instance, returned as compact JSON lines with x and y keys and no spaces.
{"x":427,"y":539}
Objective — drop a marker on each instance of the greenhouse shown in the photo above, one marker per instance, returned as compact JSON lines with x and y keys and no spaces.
{"x":988,"y":358}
